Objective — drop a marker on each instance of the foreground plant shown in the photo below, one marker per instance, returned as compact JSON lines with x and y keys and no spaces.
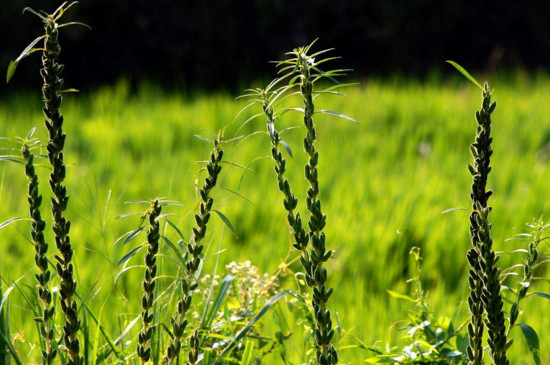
{"x":38,"y":225}
{"x":52,"y":96}
{"x":148,"y":285}
{"x":194,"y":257}
{"x":482,"y":258}
{"x":305,"y":69}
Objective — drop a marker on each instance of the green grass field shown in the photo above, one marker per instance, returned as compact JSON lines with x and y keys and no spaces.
{"x":384,"y":184}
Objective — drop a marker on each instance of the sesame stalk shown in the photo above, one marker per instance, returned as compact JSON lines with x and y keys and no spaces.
{"x":52,"y":96}
{"x":41,"y":248}
{"x":153,"y":236}
{"x":316,"y":276}
{"x":195,"y":248}
{"x":484,"y":275}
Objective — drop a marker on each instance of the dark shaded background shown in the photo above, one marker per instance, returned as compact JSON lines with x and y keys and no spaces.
{"x":224,"y":44}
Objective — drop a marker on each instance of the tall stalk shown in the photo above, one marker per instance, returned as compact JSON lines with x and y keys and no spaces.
{"x":41,"y":248}
{"x":484,"y":275}
{"x":148,"y":285}
{"x":51,"y":92}
{"x":195,"y":248}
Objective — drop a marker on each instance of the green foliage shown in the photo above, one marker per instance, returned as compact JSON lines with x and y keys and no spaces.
{"x":532,"y":261}
{"x":429,"y":339}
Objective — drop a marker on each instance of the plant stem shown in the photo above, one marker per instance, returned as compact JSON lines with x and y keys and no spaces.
{"x":51,"y":91}
{"x":195,"y":248}
{"x":40,"y":259}
{"x":153,"y":236}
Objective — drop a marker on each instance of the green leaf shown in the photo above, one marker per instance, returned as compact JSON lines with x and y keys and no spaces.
{"x":247,"y":355}
{"x":239,"y":195}
{"x":10,"y":221}
{"x":400,"y":296}
{"x":123,"y":271}
{"x":217,"y":303}
{"x":226,"y":221}
{"x":532,"y":341}
{"x":29,"y":136}
{"x":465,"y":73}
{"x":127,"y":215}
{"x":544,"y":295}
{"x":11,"y":70}
{"x":173,"y":225}
{"x":129,"y":255}
{"x":74,"y":23}
{"x":177,"y":251}
{"x":72,"y":90}
{"x":450,"y":353}
{"x":133,"y":235}
{"x":35,"y":13}
{"x":452,"y":210}
{"x":204,"y":138}
{"x":287,"y":147}
{"x":343,"y":116}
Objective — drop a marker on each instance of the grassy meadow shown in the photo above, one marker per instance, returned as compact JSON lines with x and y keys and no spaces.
{"x":384,"y":184}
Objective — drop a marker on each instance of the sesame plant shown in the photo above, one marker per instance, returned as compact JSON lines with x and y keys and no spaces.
{"x":194,"y":258}
{"x":303,"y":67}
{"x":485,"y":299}
{"x":52,"y":96}
{"x":41,"y":249}
{"x":303,"y":72}
{"x":533,"y":260}
{"x":147,"y":316}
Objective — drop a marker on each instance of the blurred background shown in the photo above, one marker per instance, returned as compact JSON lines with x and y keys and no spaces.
{"x":224,"y":44}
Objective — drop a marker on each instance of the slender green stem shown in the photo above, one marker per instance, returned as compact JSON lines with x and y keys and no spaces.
{"x":147,"y":316}
{"x":40,"y":259}
{"x":195,"y":248}
{"x":51,"y":91}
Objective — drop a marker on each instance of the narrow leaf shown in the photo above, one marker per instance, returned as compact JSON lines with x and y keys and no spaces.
{"x":217,"y":303}
{"x":287,"y":147}
{"x":133,"y":235}
{"x":129,"y":255}
{"x":400,"y":296}
{"x":465,"y":73}
{"x":226,"y":221}
{"x":343,"y":116}
{"x":10,"y":221}
{"x":11,"y":70}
